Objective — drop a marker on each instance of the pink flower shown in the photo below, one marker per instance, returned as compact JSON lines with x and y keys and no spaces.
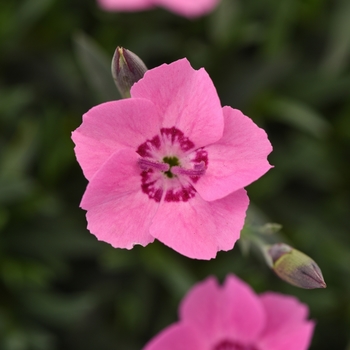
{"x":188,"y":8}
{"x":233,"y":317}
{"x":169,"y":163}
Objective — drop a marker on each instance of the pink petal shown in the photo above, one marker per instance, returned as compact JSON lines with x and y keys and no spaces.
{"x":124,"y":5}
{"x":236,"y":160}
{"x":287,"y":327}
{"x":178,"y":336}
{"x":296,"y":337}
{"x":243,"y":317}
{"x":282,"y":310}
{"x":188,"y":8}
{"x":203,"y":307}
{"x":186,"y":98}
{"x":232,"y":312}
{"x":198,"y":229}
{"x":118,"y":212}
{"x":112,"y":126}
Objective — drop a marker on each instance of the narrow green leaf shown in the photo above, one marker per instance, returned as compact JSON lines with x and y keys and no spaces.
{"x":96,"y":66}
{"x":300,"y":116}
{"x":338,"y":53}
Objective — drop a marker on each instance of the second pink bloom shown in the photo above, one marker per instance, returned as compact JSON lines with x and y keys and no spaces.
{"x":233,"y":317}
{"x":187,"y":8}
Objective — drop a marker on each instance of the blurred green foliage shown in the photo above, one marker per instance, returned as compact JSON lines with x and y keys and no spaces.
{"x":286,"y":64}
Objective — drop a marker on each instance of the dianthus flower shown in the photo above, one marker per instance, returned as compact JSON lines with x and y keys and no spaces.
{"x":169,"y":163}
{"x":233,"y":317}
{"x":187,"y":8}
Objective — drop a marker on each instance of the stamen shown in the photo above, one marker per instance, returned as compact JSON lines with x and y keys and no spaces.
{"x":146,"y":164}
{"x":199,"y":169}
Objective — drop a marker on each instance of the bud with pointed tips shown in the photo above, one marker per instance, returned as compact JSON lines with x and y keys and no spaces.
{"x":295,"y":267}
{"x":127,"y":68}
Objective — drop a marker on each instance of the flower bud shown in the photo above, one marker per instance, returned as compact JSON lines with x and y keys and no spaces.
{"x":295,"y":267}
{"x":127,"y":69}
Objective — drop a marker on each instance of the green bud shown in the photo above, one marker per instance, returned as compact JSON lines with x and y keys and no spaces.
{"x":295,"y":267}
{"x":127,"y":69}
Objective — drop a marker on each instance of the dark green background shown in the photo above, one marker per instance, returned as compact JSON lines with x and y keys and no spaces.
{"x":283,"y":63}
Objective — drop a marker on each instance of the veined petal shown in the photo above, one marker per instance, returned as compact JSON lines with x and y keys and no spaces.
{"x":179,"y":336}
{"x":237,"y":159}
{"x":188,"y":8}
{"x":110,"y":127}
{"x":185,"y":98}
{"x":117,"y":211}
{"x":198,"y":229}
{"x":287,"y":327}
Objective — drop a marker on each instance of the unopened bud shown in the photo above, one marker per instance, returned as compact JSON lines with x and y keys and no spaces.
{"x":295,"y":267}
{"x":127,"y":69}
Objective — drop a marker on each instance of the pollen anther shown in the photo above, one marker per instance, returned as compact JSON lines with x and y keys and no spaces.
{"x":198,"y":170}
{"x":146,"y":164}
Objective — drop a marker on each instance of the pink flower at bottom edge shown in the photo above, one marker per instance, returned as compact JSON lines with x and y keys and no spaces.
{"x":169,"y":163}
{"x":187,"y":8}
{"x":233,"y":317}
{"x":124,"y":5}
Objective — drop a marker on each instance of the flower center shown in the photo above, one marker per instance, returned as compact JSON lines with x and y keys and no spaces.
{"x":230,"y":345}
{"x":170,"y":163}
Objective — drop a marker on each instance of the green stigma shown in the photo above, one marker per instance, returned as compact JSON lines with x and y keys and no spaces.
{"x":172,"y":161}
